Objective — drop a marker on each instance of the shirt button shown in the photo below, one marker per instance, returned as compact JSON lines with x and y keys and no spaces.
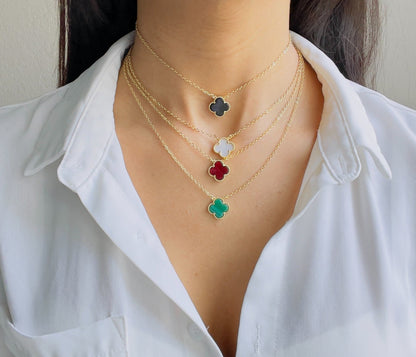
{"x":195,"y":332}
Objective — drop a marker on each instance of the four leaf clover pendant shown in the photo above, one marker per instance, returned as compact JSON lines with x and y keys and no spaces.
{"x":218,"y":208}
{"x":219,"y":106}
{"x":218,"y":170}
{"x":223,"y":147}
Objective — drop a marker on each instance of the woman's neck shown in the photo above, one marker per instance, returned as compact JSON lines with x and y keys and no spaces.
{"x":217,"y":44}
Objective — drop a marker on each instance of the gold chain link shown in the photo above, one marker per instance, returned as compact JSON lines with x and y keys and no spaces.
{"x":171,"y":154}
{"x":275,"y":121}
{"x":180,"y":133}
{"x":193,"y":84}
{"x":276,"y":148}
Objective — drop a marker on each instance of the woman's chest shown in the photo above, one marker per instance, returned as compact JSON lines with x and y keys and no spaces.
{"x":214,"y":258}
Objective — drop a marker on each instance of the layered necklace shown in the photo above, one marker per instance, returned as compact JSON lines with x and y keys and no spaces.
{"x":223,"y":146}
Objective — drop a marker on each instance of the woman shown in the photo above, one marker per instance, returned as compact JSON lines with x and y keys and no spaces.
{"x":213,"y":185}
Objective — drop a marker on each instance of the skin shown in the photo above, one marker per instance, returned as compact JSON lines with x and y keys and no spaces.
{"x":219,"y":45}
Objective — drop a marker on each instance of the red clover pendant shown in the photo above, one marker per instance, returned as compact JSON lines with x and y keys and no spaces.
{"x":218,"y":170}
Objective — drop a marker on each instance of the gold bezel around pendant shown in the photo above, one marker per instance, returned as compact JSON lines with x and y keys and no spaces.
{"x":213,"y":203}
{"x":218,"y":143}
{"x":214,"y":176}
{"x":225,"y":107}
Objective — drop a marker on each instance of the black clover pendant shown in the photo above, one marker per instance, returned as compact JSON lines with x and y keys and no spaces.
{"x":219,"y":107}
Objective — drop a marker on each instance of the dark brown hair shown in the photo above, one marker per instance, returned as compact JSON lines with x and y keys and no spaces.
{"x":346,"y":30}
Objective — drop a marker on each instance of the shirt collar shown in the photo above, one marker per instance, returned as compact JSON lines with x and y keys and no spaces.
{"x":81,"y":124}
{"x":345,"y":126}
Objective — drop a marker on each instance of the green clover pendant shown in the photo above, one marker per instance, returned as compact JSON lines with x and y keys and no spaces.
{"x":218,"y":208}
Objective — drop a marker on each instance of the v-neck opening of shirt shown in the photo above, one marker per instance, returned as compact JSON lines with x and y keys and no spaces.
{"x":313,"y":163}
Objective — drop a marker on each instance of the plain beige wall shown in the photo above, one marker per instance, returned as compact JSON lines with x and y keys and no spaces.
{"x":397,"y":73}
{"x":29,"y":48}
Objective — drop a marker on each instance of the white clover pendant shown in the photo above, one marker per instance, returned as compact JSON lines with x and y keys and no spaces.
{"x":223,"y":147}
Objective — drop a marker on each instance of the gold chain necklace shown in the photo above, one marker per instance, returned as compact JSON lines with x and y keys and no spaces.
{"x":223,"y":146}
{"x":218,"y":207}
{"x":218,"y":170}
{"x":219,"y":106}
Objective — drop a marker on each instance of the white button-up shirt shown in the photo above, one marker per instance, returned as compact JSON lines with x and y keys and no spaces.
{"x":83,"y":272}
